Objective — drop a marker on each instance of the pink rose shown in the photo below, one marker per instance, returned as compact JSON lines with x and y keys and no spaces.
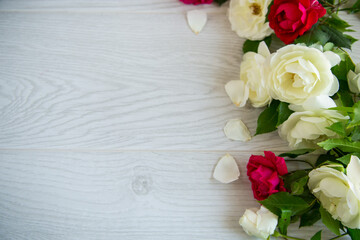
{"x":292,"y":18}
{"x":196,"y":2}
{"x":264,"y":174}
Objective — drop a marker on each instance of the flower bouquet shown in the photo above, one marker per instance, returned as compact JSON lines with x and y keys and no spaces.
{"x":309,"y":89}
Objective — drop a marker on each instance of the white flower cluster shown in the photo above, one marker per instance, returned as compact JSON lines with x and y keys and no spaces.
{"x":298,"y":75}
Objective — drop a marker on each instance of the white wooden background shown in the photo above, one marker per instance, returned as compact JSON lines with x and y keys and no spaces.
{"x":111,"y":117}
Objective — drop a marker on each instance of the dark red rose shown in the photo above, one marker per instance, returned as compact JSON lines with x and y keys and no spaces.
{"x":264,"y":174}
{"x":196,"y":2}
{"x":292,"y":18}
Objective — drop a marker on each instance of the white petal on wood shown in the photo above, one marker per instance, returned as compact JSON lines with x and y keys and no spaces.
{"x":238,"y":92}
{"x":236,"y":130}
{"x":197,"y":20}
{"x":226,"y":169}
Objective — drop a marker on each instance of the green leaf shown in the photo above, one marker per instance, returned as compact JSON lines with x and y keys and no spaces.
{"x":354,"y":233}
{"x":314,"y":35}
{"x":355,"y":117}
{"x":336,"y":37}
{"x":295,"y":176}
{"x":298,"y":187}
{"x":332,"y":224}
{"x":339,"y":128}
{"x":268,"y":119}
{"x":310,"y":217}
{"x":355,"y":8}
{"x":283,"y":113}
{"x":280,"y":201}
{"x":343,"y":144}
{"x":252,"y":46}
{"x":324,"y":158}
{"x":337,"y":23}
{"x":356,"y":134}
{"x":284,"y":221}
{"x":220,"y":2}
{"x":317,"y":236}
{"x":346,"y":159}
{"x":345,"y":98}
{"x":297,"y":152}
{"x":341,"y":70}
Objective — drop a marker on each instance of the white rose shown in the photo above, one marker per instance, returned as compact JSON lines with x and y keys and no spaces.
{"x":339,"y":193}
{"x":354,"y":79}
{"x":308,"y":126}
{"x":252,"y":85}
{"x":247,"y":18}
{"x":260,"y":223}
{"x":299,"y":72}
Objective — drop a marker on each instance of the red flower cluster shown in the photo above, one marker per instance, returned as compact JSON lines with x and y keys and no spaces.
{"x":264,"y":174}
{"x":292,"y":18}
{"x":196,"y":2}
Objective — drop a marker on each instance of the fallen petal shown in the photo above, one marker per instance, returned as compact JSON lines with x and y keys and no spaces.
{"x":238,"y":92}
{"x":197,"y":20}
{"x":226,"y":169}
{"x":236,"y":130}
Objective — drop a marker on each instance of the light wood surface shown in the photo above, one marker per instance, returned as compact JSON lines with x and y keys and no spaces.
{"x":111,"y":117}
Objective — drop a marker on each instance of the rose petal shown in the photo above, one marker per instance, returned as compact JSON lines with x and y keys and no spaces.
{"x":333,"y":58}
{"x":315,"y":103}
{"x":263,"y":49}
{"x":236,"y":130}
{"x":226,"y":170}
{"x":352,"y":171}
{"x":238,"y":92}
{"x":196,"y":20}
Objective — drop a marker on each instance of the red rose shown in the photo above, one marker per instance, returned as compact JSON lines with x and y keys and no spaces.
{"x":196,"y":2}
{"x":292,"y":18}
{"x":264,"y":174}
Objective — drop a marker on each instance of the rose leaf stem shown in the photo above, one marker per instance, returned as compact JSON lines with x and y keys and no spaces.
{"x":277,"y":234}
{"x":344,"y":234}
{"x":298,"y":160}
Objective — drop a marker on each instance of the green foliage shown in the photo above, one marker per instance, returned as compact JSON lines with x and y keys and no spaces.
{"x":220,"y":2}
{"x":343,"y":144}
{"x":285,"y":206}
{"x":346,"y":158}
{"x":252,"y":46}
{"x":330,"y":29}
{"x":284,"y":221}
{"x":345,"y":97}
{"x":354,"y":233}
{"x":314,"y":35}
{"x":339,"y":128}
{"x":296,"y":181}
{"x":283,"y":112}
{"x":297,"y":152}
{"x":335,"y":22}
{"x":317,"y":236}
{"x":268,"y":119}
{"x":324,"y":158}
{"x":355,"y":8}
{"x":280,"y":201}
{"x":272,"y":116}
{"x":332,"y":224}
{"x":310,"y":217}
{"x":355,"y":136}
{"x":341,"y":70}
{"x":355,"y":116}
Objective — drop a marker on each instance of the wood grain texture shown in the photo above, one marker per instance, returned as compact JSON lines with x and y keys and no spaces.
{"x":77,"y":80}
{"x":111,"y":117}
{"x":116,"y":195}
{"x":158,"y":6}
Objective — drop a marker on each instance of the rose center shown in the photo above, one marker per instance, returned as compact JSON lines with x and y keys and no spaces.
{"x":256,"y":9}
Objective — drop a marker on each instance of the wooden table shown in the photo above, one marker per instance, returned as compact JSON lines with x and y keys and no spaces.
{"x":111,"y":122}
